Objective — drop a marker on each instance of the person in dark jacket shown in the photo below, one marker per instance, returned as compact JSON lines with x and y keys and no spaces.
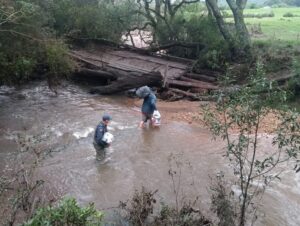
{"x":149,"y":104}
{"x":98,"y":143}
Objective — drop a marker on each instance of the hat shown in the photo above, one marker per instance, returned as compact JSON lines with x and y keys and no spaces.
{"x":106,"y":117}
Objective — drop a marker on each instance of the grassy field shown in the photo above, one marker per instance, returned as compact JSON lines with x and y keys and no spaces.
{"x":277,"y":27}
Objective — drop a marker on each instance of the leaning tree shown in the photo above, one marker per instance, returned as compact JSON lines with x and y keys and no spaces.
{"x":236,"y":36}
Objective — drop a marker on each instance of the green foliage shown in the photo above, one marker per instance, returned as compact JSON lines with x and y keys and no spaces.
{"x":288,"y":14}
{"x":66,"y":213}
{"x":254,"y":6}
{"x":242,"y":111}
{"x":222,"y":201}
{"x":19,"y":51}
{"x":283,"y":3}
{"x":28,"y":28}
{"x":57,"y":59}
{"x":92,"y":19}
{"x":254,"y":15}
{"x":140,"y":211}
{"x":294,"y":82}
{"x":276,"y":56}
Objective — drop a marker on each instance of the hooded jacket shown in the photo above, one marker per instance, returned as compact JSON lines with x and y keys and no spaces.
{"x":149,"y":104}
{"x":99,"y":133}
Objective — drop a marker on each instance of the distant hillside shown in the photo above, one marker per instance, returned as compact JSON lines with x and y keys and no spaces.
{"x":282,"y":2}
{"x":269,"y":2}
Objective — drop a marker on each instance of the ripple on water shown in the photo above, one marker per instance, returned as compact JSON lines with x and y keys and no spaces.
{"x":137,"y":157}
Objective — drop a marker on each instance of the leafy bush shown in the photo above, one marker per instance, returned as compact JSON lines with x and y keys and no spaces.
{"x":57,"y":59}
{"x":294,"y":83}
{"x":140,"y":212}
{"x":253,"y":6}
{"x":92,"y":19}
{"x":66,"y":213}
{"x":288,"y":14}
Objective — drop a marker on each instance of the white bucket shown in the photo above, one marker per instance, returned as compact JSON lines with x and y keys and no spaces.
{"x":108,"y":138}
{"x":156,"y":118}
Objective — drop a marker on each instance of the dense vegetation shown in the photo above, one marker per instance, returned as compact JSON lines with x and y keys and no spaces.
{"x":35,"y":36}
{"x":33,"y":33}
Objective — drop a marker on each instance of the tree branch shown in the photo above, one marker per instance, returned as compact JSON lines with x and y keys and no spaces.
{"x":176,"y":7}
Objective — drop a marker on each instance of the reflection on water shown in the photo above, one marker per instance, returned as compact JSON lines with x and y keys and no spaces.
{"x":65,"y":124}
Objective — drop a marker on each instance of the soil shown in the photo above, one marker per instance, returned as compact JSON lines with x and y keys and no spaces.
{"x":190,"y":112}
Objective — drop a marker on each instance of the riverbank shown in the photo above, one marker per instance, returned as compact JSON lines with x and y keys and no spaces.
{"x":191,"y":112}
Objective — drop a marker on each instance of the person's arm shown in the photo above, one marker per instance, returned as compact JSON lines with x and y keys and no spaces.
{"x":153,"y":102}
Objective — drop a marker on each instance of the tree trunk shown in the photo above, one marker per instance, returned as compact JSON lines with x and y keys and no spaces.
{"x":243,"y":38}
{"x":239,"y":42}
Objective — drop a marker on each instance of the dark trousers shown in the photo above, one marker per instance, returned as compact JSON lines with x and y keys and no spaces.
{"x":100,"y":151}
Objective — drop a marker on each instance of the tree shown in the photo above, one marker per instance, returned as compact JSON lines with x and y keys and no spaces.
{"x":239,"y":39}
{"x":160,"y":16}
{"x":243,"y":112}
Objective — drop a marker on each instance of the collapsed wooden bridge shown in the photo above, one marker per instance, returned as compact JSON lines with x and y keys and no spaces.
{"x":113,"y":70}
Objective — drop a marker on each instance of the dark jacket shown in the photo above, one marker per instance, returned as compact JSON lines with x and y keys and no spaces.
{"x":149,"y":104}
{"x":99,"y":133}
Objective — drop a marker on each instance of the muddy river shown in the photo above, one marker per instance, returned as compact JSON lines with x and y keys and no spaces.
{"x":64,"y":125}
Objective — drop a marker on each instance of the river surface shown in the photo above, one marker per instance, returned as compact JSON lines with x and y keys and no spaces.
{"x":64,"y":126}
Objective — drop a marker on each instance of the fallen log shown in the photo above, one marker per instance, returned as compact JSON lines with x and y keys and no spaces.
{"x":200,"y":77}
{"x":183,"y":78}
{"x":192,"y":95}
{"x":129,"y":81}
{"x":191,"y":84}
{"x":208,"y":72}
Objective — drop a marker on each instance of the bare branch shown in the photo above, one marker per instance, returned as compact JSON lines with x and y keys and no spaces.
{"x":176,"y":7}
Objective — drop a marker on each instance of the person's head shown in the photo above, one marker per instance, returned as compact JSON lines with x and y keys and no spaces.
{"x":106,"y":118}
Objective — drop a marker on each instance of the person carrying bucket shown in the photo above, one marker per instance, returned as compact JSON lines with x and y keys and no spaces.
{"x":102,"y":139}
{"x":149,"y":105}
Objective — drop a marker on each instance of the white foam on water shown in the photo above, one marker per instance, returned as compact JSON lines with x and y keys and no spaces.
{"x":110,"y":128}
{"x":126,"y":127}
{"x":236,"y":190}
{"x":6,"y":90}
{"x":84,"y":133}
{"x":58,"y":133}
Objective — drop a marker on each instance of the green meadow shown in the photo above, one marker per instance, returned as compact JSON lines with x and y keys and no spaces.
{"x":277,"y":28}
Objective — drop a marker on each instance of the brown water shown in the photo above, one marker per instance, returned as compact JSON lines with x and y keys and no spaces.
{"x":137,"y":158}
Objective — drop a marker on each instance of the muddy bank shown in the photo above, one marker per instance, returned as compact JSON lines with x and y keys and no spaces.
{"x":191,"y":112}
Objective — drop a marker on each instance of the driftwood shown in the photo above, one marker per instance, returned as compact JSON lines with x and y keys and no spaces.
{"x":200,"y":77}
{"x":192,"y":96}
{"x":183,"y":78}
{"x":192,"y":84}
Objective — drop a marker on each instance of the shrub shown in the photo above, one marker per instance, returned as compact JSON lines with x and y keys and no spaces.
{"x":57,"y":59}
{"x":139,"y":211}
{"x":253,"y":6}
{"x":66,"y":213}
{"x":288,"y":14}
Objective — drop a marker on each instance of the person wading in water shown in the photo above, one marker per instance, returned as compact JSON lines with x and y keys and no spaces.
{"x":99,"y":142}
{"x":149,"y":104}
